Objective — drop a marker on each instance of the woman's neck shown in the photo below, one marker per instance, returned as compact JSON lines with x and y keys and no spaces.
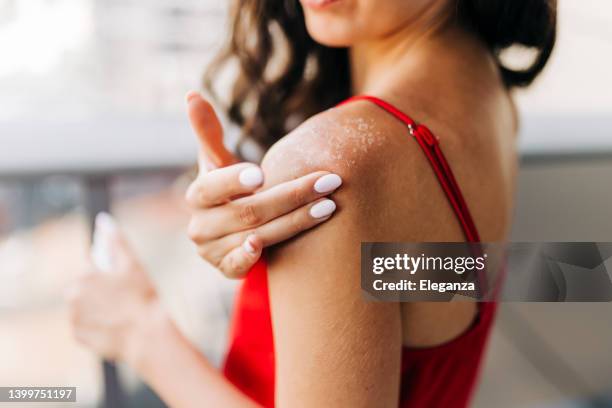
{"x":385,"y":63}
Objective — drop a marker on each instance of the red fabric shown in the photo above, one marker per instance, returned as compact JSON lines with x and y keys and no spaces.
{"x":249,"y":363}
{"x":441,"y":376}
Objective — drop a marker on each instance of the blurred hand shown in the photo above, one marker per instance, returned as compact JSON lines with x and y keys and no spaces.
{"x":233,"y":219}
{"x":108,"y":308}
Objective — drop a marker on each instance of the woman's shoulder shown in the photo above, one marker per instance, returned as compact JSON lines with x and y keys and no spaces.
{"x":356,"y":136}
{"x":354,"y":139}
{"x":382,"y":168}
{"x":385,"y":170}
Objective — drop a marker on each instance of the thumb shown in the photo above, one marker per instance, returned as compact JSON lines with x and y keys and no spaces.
{"x":206,"y":125}
{"x":110,"y":249}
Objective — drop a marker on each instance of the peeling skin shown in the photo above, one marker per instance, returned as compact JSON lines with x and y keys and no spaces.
{"x":324,"y":139}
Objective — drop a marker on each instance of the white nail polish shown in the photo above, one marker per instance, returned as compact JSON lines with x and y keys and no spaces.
{"x":249,"y":247}
{"x":327,"y":183}
{"x":322,"y":209}
{"x":251,"y":177}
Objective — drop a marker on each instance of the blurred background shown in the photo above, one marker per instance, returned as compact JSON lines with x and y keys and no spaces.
{"x":92,"y":108}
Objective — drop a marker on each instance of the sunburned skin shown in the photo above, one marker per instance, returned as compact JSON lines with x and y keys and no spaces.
{"x":327,"y":138}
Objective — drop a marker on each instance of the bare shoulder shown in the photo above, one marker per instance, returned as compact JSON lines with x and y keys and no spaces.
{"x":349,"y":139}
{"x":370,"y":149}
{"x":386,"y":178}
{"x":389,"y":179}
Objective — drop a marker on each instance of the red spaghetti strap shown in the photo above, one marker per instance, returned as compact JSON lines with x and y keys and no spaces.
{"x":454,"y":189}
{"x":462,"y":202}
{"x":447,"y":187}
{"x":386,"y":106}
{"x":430,"y":146}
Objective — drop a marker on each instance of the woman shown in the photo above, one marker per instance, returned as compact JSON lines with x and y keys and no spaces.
{"x":302,"y":333}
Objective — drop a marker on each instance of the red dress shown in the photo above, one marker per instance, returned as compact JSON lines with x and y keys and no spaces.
{"x":440,"y":376}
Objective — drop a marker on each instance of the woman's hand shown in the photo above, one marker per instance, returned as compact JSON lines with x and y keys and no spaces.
{"x":233,"y":219}
{"x":110,"y":307}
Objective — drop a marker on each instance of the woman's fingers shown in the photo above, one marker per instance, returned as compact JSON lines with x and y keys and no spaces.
{"x":250,"y":212}
{"x":111,"y":251}
{"x":258,"y":209}
{"x":302,"y":219}
{"x":234,"y":254}
{"x":240,"y":259}
{"x":220,"y":185}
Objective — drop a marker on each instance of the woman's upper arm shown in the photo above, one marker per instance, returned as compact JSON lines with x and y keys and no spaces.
{"x":332,"y":347}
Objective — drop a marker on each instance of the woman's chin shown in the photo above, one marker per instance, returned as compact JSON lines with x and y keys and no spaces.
{"x":324,"y":34}
{"x":331,"y":42}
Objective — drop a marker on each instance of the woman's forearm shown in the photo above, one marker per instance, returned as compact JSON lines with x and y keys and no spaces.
{"x":175,"y":369}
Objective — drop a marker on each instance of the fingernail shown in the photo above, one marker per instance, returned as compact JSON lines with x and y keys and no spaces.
{"x":248,"y":246}
{"x":327,"y":183}
{"x":322,"y":209}
{"x":251,"y":177}
{"x":191,"y":94}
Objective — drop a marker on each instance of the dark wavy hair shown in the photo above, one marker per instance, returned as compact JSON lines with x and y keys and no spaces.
{"x":284,"y":76}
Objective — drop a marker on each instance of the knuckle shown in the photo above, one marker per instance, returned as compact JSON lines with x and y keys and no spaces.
{"x":234,"y":268}
{"x":203,"y":197}
{"x":192,"y":194}
{"x":193,"y":232}
{"x":205,"y":252}
{"x":196,"y":232}
{"x":248,"y":215}
{"x":212,"y":254}
{"x":297,"y":221}
{"x":198,"y":193}
{"x":298,"y":196}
